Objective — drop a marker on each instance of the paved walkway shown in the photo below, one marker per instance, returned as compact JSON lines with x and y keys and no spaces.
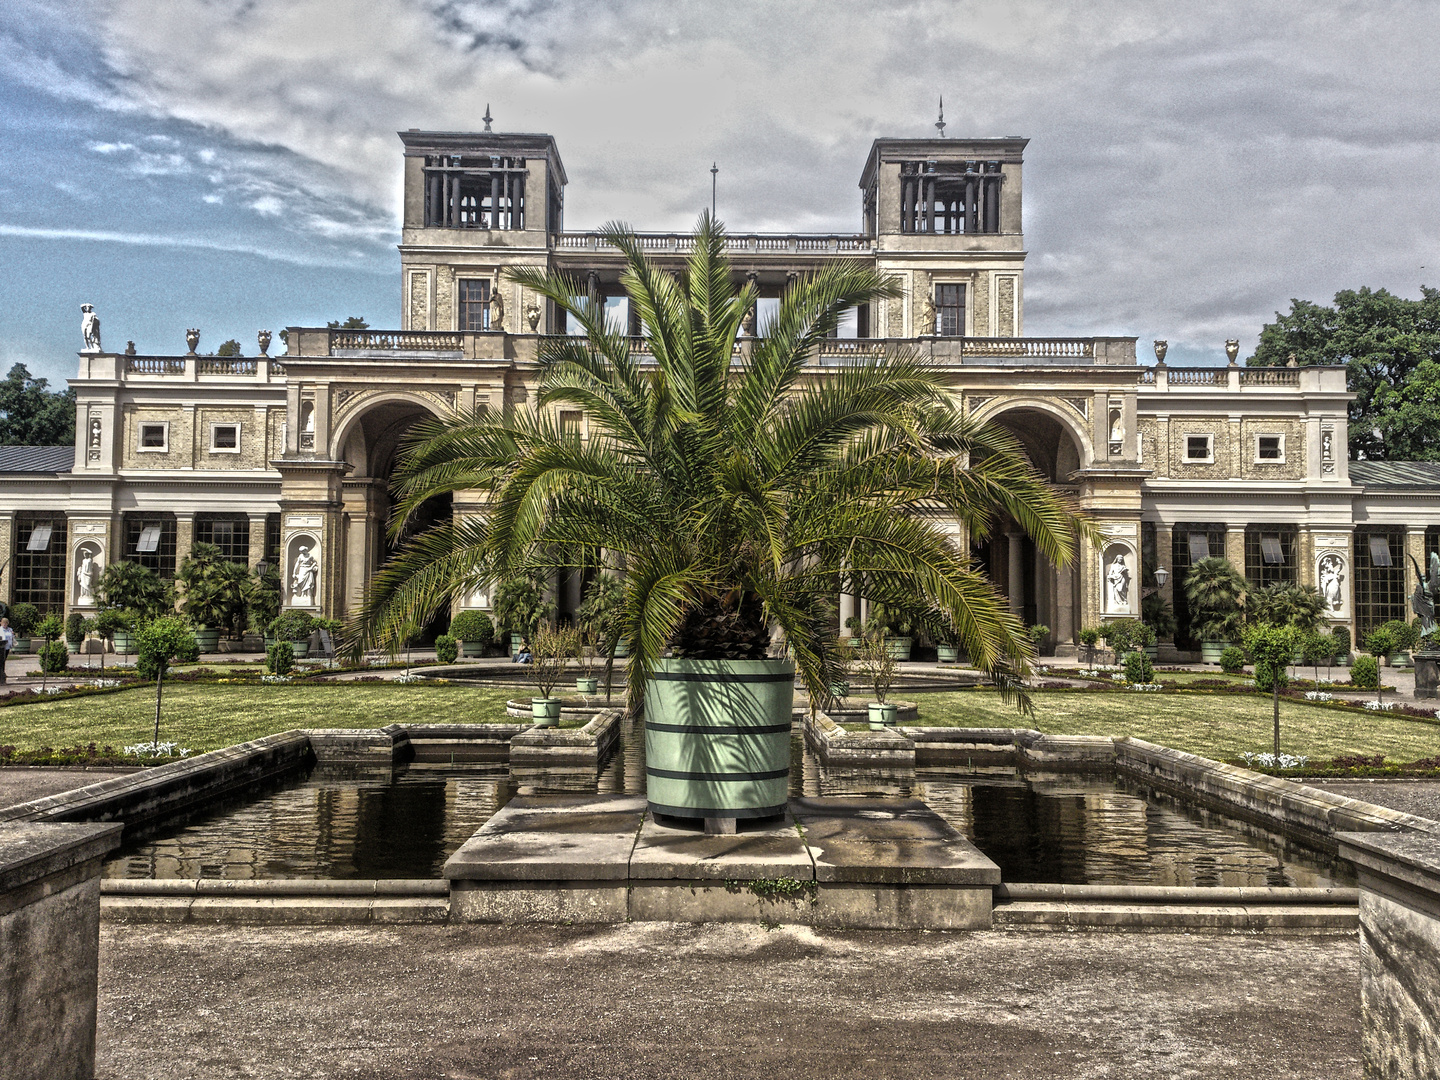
{"x":664,"y":1000}
{"x":23,"y":784}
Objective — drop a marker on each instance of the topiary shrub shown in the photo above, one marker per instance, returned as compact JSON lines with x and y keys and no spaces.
{"x":54,"y":656}
{"x":1232,"y":660}
{"x":446,"y":649}
{"x":292,"y":626}
{"x":473,"y":628}
{"x":1381,"y":642}
{"x":280,"y":658}
{"x":1366,"y":673}
{"x":1138,"y":668}
{"x":75,"y":628}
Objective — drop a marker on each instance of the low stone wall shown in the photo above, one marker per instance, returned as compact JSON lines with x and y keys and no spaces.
{"x":169,"y":789}
{"x":589,"y":746}
{"x":838,"y":748}
{"x":1399,"y":952}
{"x":357,"y":746}
{"x":463,"y":742}
{"x":50,"y":947}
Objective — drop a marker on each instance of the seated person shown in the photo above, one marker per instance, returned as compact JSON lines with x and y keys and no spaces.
{"x":523,"y":654}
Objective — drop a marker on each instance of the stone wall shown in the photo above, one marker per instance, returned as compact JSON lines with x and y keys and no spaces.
{"x":49,"y":947}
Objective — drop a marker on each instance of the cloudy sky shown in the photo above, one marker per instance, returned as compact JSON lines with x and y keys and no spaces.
{"x":232,"y":164}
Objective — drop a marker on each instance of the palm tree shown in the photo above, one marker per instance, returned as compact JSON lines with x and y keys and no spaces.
{"x":740,"y":487}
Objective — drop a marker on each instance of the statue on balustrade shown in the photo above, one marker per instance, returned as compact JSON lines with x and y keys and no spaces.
{"x":90,"y":328}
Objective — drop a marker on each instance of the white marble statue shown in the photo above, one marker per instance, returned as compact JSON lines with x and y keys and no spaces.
{"x":1117,"y":428}
{"x":90,"y":328}
{"x":1332,"y":581}
{"x":1117,"y":584}
{"x":497,"y":305}
{"x":87,"y":578}
{"x":304,"y":576}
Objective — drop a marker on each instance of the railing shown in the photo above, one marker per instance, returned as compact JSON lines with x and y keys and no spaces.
{"x":1147,"y":377}
{"x":226,"y":365}
{"x":684,"y":243}
{"x":397,"y":340}
{"x":1269,"y":377}
{"x":1027,"y":348}
{"x":154,"y":365}
{"x":1196,"y":376}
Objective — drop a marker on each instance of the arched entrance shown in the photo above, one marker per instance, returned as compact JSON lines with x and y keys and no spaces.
{"x":1038,"y":591}
{"x":369,"y":443}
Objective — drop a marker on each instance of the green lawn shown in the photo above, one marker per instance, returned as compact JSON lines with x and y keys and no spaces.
{"x":1214,"y":725}
{"x":207,"y":717}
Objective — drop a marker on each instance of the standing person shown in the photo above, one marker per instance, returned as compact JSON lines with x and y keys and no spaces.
{"x":7,"y":642}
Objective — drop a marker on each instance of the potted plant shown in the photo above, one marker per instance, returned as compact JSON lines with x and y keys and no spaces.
{"x":733,"y":488}
{"x":896,"y":627}
{"x":586,"y":682}
{"x":1341,"y":634}
{"x":520,"y":607}
{"x":213,"y":591}
{"x":136,"y":588}
{"x":474,"y":630}
{"x":1156,"y":613}
{"x":1216,"y":592}
{"x":295,"y":627}
{"x":23,"y":619}
{"x":601,"y":615}
{"x":876,"y":661}
{"x":1288,"y":603}
{"x":1089,"y":638}
{"x":1407,"y":637}
{"x":262,"y":600}
{"x":551,"y":650}
{"x":75,"y":630}
{"x":947,"y":649}
{"x":1119,"y":637}
{"x":115,"y":625}
{"x":1144,"y":638}
{"x":446,"y":648}
{"x":1038,"y":633}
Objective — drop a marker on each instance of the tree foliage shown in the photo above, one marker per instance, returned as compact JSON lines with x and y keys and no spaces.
{"x":33,"y":415}
{"x":354,"y":322}
{"x":739,"y":491}
{"x":1391,"y":348}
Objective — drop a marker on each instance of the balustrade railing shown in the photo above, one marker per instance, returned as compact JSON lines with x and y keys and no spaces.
{"x":1269,"y":377}
{"x":226,"y":365}
{"x":684,"y":243}
{"x":397,"y":340}
{"x":154,"y":365}
{"x":1196,"y":376}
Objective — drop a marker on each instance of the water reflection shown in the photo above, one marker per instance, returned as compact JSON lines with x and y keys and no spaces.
{"x":1087,"y":830}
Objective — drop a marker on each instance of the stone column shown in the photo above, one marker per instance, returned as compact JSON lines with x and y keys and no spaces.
{"x":1235,"y":546}
{"x":257,"y":539}
{"x":1015,"y":585}
{"x":184,"y":537}
{"x":1414,"y":549}
{"x":1165,"y":556}
{"x":847,"y":612}
{"x":7,"y":572}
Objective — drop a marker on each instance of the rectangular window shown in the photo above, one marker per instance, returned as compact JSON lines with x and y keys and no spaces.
{"x":1199,"y":448}
{"x":225,"y":438}
{"x":474,"y":304}
{"x":155,"y":437}
{"x":1270,"y":550}
{"x":1379,"y":580}
{"x":1270,"y":554}
{"x":150,"y":541}
{"x":1269,"y":448}
{"x":1199,"y":547}
{"x":40,"y":564}
{"x":229,"y":532}
{"x":950,"y":310}
{"x":571,"y":421}
{"x":1190,"y":543}
{"x":272,"y":539}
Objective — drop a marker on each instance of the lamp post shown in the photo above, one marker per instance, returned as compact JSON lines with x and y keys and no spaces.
{"x":1161,"y":576}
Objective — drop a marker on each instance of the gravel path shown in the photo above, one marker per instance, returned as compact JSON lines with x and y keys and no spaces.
{"x":21,"y":785}
{"x":644,"y":1001}
{"x":1419,"y":797}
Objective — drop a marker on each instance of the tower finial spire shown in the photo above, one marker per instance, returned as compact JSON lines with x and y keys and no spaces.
{"x":940,"y":123}
{"x":486,"y":117}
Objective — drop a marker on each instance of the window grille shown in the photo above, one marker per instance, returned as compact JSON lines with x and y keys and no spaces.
{"x":228,"y":532}
{"x":1379,"y":586}
{"x":950,"y":310}
{"x":150,"y":541}
{"x":40,"y":573}
{"x":1270,"y":555}
{"x":1190,"y":543}
{"x":39,"y":538}
{"x":474,"y":304}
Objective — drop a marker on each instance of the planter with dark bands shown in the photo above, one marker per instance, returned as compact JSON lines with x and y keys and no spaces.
{"x":1210,"y":650}
{"x":947,"y":654}
{"x":516,"y":640}
{"x":207,"y":639}
{"x":471,"y":648}
{"x":898,"y":647}
{"x":301,"y":648}
{"x":717,"y":737}
{"x":881,"y":716}
{"x":587,"y":686}
{"x":121,"y":642}
{"x":545,"y":711}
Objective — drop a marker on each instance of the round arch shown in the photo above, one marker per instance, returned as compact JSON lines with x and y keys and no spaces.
{"x":1066,"y":418}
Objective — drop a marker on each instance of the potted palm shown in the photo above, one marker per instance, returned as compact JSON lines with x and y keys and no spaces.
{"x":550,"y":650}
{"x":137,"y":589}
{"x":1216,"y":592}
{"x":214,"y":593}
{"x":586,"y":682}
{"x":262,"y":601}
{"x":1159,"y":616}
{"x":743,"y":494}
{"x":1090,"y":637}
{"x":601,"y":618}
{"x":876,"y":661}
{"x":520,"y":606}
{"x":1288,"y":603}
{"x":947,"y":649}
{"x":474,"y":630}
{"x":892,"y":624}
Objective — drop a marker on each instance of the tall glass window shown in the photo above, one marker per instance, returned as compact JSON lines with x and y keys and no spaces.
{"x":950,"y":310}
{"x":229,"y":532}
{"x":40,"y":545}
{"x":474,"y":303}
{"x":1269,"y":554}
{"x":150,"y":541}
{"x":1190,"y":542}
{"x":1379,"y":579}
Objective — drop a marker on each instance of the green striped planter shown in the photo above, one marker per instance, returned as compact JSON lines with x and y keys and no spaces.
{"x":898,"y":647}
{"x":717,"y":737}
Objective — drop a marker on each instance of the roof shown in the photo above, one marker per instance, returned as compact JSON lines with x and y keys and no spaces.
{"x":1396,"y":474}
{"x":1010,"y":149}
{"x":37,"y":459}
{"x":518,"y":144}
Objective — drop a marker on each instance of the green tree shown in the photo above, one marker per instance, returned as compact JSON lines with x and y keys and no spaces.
{"x":158,"y":642}
{"x":1270,"y":649}
{"x":136,"y":588}
{"x":354,"y":322}
{"x":1391,"y":348}
{"x":741,"y":492}
{"x":1216,"y":592}
{"x":229,"y":348}
{"x":1287,"y":603}
{"x":33,"y":415}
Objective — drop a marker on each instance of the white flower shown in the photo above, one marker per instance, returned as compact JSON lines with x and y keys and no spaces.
{"x":1379,"y":706}
{"x":408,"y":677}
{"x":1318,"y":695}
{"x":152,"y":750}
{"x":275,"y":679}
{"x":1269,"y":761}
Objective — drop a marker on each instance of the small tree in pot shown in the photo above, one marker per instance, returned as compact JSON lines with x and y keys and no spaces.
{"x":295,"y":627}
{"x":551,"y":650}
{"x":213,"y":593}
{"x":520,"y":607}
{"x":601,"y":616}
{"x":76,"y":627}
{"x":1089,"y":638}
{"x":474,"y":630}
{"x":876,"y":661}
{"x":23,"y":619}
{"x":137,"y":588}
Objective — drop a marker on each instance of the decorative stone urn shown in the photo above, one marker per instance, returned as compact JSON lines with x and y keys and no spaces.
{"x":192,"y":339}
{"x":1232,"y":349}
{"x":264,"y":337}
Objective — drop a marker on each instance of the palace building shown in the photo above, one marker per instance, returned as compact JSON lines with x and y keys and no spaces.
{"x":286,"y":458}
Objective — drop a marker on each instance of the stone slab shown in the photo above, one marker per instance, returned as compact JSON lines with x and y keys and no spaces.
{"x":553,"y":838}
{"x":32,"y":851}
{"x":888,"y":841}
{"x":761,"y":849}
{"x":558,"y":901}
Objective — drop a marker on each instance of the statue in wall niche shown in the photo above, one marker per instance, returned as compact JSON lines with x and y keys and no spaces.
{"x":1332,"y":582}
{"x":87,"y":577}
{"x":1422,"y":601}
{"x":532,"y":316}
{"x":1117,"y":584}
{"x":94,"y":433}
{"x":927,"y":317}
{"x":497,"y":305}
{"x":747,"y":323}
{"x":1117,"y":428}
{"x":304,"y":576}
{"x":90,"y":328}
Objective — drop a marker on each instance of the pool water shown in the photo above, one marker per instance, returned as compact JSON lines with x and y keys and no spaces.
{"x":1089,"y":830}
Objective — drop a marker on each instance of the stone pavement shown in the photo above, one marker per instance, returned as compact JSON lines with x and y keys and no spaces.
{"x":667,"y":1000}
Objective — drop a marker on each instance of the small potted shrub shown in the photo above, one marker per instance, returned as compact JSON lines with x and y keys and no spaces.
{"x":520,"y":608}
{"x":947,"y":650}
{"x":550,"y":650}
{"x":474,"y":631}
{"x":23,"y":618}
{"x":76,"y":626}
{"x":894,"y":625}
{"x":877,"y":662}
{"x":214,"y":591}
{"x":117,"y":627}
{"x":1381,"y":644}
{"x":1407,"y":637}
{"x":1232,"y":660}
{"x":295,"y":627}
{"x":1341,"y":634}
{"x":586,"y":682}
{"x":1216,"y":592}
{"x":1089,"y":638}
{"x":1038,"y":633}
{"x":446,"y":649}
